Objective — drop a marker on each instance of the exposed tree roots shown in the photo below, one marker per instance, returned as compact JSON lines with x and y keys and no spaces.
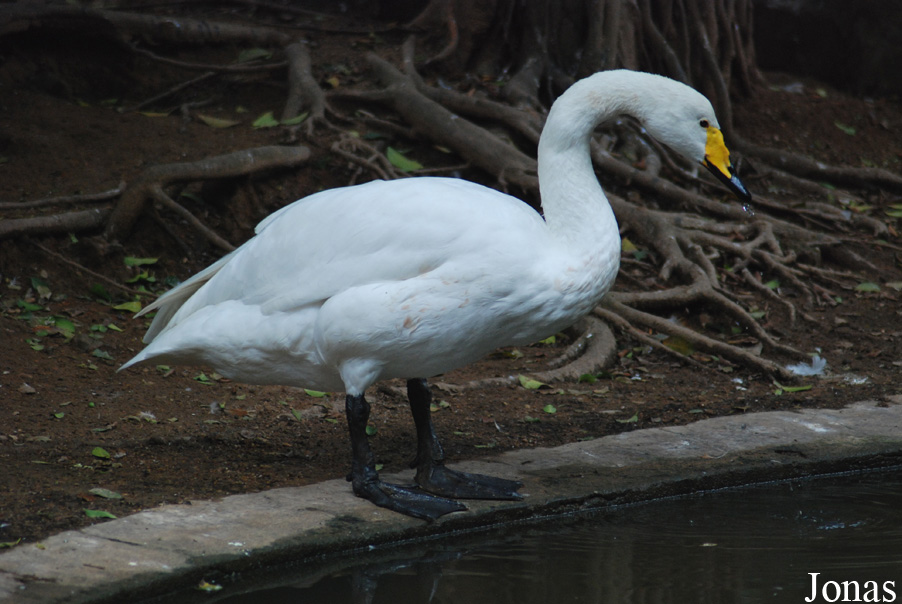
{"x":700,"y":258}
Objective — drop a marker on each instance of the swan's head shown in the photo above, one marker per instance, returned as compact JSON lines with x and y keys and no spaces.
{"x":684,"y":120}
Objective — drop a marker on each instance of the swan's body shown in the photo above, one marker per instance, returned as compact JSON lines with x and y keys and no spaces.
{"x":411,"y":278}
{"x":383,"y":280}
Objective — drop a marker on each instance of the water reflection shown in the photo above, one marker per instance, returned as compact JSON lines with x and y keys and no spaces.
{"x":747,"y":545}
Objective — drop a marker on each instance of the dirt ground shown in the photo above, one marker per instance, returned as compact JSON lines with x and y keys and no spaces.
{"x":71,"y":425}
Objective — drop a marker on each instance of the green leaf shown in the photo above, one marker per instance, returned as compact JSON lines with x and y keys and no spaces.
{"x":797,"y":388}
{"x":41,"y":287}
{"x":867,"y":286}
{"x":265,"y":121}
{"x":66,"y":327}
{"x":133,"y":306}
{"x":529,"y":383}
{"x":35,"y":344}
{"x":781,"y":388}
{"x":894,"y":213}
{"x":142,"y":276}
{"x":99,"y":291}
{"x":850,"y":130}
{"x":102,"y":354}
{"x":298,"y":119}
{"x":371,"y":430}
{"x":105,"y":493}
{"x":132,"y":261}
{"x":588,"y":378}
{"x":252,"y":54}
{"x":400,"y":162}
{"x":315,"y":393}
{"x":100,"y":452}
{"x":98,"y":514}
{"x":549,"y":341}
{"x":896,"y":285}
{"x":679,"y":344}
{"x":217,"y":122}
{"x":772,"y":284}
{"x":59,"y":415}
{"x":549,"y":408}
{"x":28,"y":306}
{"x":208,"y":587}
{"x":632,"y":420}
{"x":297,"y":414}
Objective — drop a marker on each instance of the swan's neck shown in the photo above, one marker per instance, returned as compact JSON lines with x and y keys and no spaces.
{"x":575,"y":207}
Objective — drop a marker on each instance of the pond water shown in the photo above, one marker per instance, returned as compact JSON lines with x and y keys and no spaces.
{"x":755,"y":544}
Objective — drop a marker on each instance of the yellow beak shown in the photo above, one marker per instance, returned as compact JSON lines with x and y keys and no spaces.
{"x":717,"y":160}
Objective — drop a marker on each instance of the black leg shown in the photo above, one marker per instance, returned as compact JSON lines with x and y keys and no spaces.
{"x":365,"y":480}
{"x":432,"y":475}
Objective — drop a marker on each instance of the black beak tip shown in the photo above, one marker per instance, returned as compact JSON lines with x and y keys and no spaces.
{"x":732,"y":183}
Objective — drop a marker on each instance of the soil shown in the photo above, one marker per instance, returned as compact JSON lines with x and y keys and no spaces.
{"x":71,"y":424}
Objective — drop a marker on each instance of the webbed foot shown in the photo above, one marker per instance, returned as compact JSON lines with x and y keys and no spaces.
{"x":439,"y":480}
{"x":406,"y":500}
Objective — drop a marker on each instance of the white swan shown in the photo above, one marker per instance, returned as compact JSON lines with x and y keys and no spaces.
{"x":412,"y":278}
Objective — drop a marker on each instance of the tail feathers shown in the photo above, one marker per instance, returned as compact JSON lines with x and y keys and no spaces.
{"x":170,"y":302}
{"x":133,"y":361}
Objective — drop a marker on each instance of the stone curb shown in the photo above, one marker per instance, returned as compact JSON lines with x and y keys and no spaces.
{"x":174,"y":546}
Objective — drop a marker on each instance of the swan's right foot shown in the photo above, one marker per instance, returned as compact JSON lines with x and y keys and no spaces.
{"x":410,"y":501}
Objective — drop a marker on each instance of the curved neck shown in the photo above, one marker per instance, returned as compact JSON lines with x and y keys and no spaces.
{"x":574,"y":204}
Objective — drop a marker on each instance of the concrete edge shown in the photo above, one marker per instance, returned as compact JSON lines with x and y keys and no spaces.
{"x":175,"y":546}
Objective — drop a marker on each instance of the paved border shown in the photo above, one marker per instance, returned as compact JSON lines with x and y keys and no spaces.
{"x":172,"y":546}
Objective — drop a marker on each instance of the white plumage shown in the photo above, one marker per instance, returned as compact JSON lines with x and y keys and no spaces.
{"x":412,"y":278}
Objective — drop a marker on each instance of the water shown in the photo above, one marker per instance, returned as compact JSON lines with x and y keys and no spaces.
{"x":742,"y":545}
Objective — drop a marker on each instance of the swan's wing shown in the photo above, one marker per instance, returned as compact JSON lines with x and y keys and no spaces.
{"x":341,"y":238}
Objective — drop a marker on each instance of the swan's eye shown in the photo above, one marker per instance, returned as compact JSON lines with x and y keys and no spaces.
{"x":704,"y":124}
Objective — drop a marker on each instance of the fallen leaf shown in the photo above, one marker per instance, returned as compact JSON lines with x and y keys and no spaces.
{"x":632,"y":420}
{"x":217,"y":122}
{"x":98,"y":514}
{"x":298,"y":119}
{"x":400,"y":162}
{"x":133,"y":306}
{"x":265,"y":121}
{"x":529,"y":383}
{"x":105,"y":493}
{"x":133,"y":261}
{"x":252,"y":54}
{"x":850,"y":130}
{"x":208,"y":587}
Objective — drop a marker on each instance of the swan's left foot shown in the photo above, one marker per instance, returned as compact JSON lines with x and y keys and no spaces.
{"x":442,"y":481}
{"x":432,"y":475}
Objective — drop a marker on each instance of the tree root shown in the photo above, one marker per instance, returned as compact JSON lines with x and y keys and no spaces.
{"x":303,"y":89}
{"x":820,"y":172}
{"x":593,"y":349}
{"x":151,"y":183}
{"x":69,"y":222}
{"x":111,"y":282}
{"x":67,"y":199}
{"x":725,"y":267}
